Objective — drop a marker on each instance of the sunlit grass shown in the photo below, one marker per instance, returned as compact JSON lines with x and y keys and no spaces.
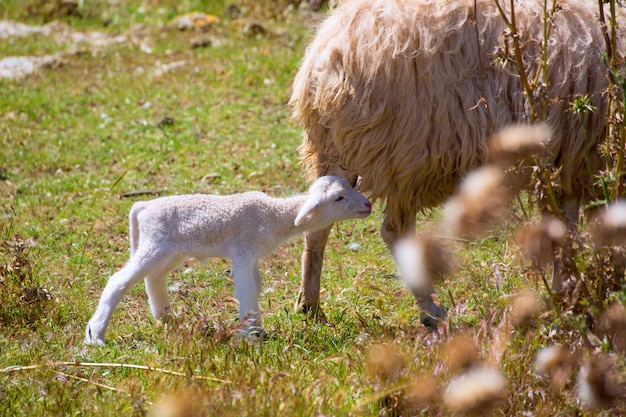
{"x":79,"y":139}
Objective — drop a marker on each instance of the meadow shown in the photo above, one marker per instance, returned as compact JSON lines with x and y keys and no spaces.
{"x":135,"y":104}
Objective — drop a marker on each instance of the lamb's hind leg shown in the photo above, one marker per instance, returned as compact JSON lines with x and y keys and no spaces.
{"x":139,"y":265}
{"x":399,"y":224}
{"x":247,"y":278}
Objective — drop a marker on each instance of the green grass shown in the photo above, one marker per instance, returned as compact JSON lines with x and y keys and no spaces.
{"x":77,"y":137}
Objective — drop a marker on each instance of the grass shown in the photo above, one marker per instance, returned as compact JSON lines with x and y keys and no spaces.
{"x":77,"y":137}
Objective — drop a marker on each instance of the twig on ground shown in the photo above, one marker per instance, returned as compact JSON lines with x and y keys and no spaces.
{"x":141,"y":192}
{"x":19,"y":368}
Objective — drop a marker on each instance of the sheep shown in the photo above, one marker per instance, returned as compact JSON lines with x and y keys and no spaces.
{"x":402,"y":96}
{"x":243,"y":227}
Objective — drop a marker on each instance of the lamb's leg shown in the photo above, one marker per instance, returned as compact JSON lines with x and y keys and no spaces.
{"x":397,"y":225}
{"x":247,"y":278}
{"x":312,"y":262}
{"x":118,"y":285}
{"x":156,"y":286}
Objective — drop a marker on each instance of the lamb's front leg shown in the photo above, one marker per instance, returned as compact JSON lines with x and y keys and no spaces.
{"x":247,"y":278}
{"x":156,"y":286}
{"x":117,"y":286}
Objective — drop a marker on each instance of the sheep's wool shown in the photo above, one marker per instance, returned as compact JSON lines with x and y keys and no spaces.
{"x":405,"y":93}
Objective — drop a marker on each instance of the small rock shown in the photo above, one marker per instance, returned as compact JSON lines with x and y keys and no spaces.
{"x":194,"y":21}
{"x":165,"y":121}
{"x":233,"y":12}
{"x":253,"y":29}
{"x":201,"y":42}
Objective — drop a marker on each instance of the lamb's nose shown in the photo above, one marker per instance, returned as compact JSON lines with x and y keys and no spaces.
{"x":368,"y":205}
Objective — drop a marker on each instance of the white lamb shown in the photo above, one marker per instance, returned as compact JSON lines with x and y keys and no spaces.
{"x":243,"y":227}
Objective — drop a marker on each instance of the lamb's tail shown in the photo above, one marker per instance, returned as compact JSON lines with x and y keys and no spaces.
{"x":134,"y":225}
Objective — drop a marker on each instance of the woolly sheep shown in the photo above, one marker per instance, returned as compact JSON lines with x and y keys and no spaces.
{"x":243,"y":227}
{"x":403,"y":94}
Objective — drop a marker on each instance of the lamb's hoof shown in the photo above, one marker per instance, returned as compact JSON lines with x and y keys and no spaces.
{"x":253,"y":334}
{"x":91,"y":338}
{"x":94,"y":342}
{"x":168,"y":317}
{"x":257,"y":335}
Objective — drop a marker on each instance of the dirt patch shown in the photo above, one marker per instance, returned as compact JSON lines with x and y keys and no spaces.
{"x":60,"y":32}
{"x":16,"y":67}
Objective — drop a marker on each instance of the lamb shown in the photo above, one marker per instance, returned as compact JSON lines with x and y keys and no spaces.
{"x":404,"y":94}
{"x":243,"y":227}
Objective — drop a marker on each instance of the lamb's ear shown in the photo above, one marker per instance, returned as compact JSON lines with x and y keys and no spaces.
{"x":307,"y":212}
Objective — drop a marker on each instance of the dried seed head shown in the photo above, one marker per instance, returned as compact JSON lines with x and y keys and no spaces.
{"x":422,"y":393}
{"x":517,"y":142}
{"x":437,"y":257}
{"x":421,"y":260}
{"x":598,"y":385}
{"x":175,"y":405}
{"x":460,"y":352}
{"x":478,"y":390}
{"x":538,"y":241}
{"x":613,"y":321}
{"x":410,"y":258}
{"x":384,"y":362}
{"x":556,"y":364}
{"x":480,"y":201}
{"x":524,"y":308}
{"x":610,"y":226}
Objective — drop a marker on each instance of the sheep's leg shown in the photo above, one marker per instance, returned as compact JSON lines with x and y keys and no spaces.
{"x":313,"y":257}
{"x":247,"y":278}
{"x":312,"y":262}
{"x":563,"y":265}
{"x":118,"y":285}
{"x":156,"y":286}
{"x":397,"y":225}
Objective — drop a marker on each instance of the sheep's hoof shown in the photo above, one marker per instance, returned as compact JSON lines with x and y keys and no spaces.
{"x":432,"y":323}
{"x":433,"y":312}
{"x":311,"y":310}
{"x":314,"y":312}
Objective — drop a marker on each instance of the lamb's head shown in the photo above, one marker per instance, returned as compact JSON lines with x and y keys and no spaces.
{"x":332,"y":199}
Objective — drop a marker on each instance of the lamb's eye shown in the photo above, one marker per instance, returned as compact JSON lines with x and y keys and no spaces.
{"x":339,"y":198}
